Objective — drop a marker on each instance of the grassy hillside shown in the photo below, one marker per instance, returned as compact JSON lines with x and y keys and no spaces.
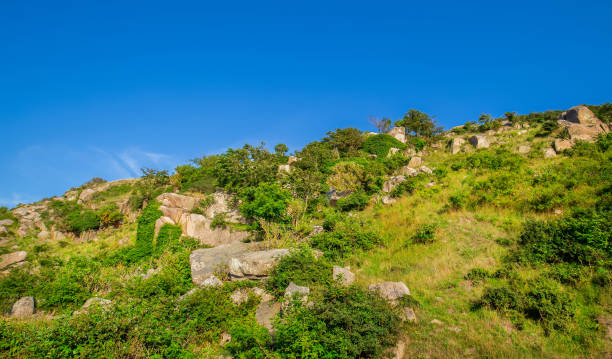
{"x":506,"y":253}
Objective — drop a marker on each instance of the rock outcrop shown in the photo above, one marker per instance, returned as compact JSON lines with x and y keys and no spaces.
{"x":582,"y":124}
{"x":549,"y":153}
{"x":205,"y":262}
{"x":24,"y":307}
{"x":456,"y":145}
{"x":399,"y":133}
{"x":479,"y":141}
{"x":12,"y":259}
{"x":561,"y":145}
{"x":392,"y":182}
{"x":265,"y":312}
{"x":344,"y":275}
{"x":93,"y":302}
{"x":242,"y":295}
{"x":255,"y":265}
{"x":391,"y":291}
{"x":407,"y":171}
{"x":415,"y":162}
{"x":334,"y":195}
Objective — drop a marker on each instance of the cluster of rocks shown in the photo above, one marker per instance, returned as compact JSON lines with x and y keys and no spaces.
{"x":414,"y":167}
{"x":580,"y":124}
{"x":176,"y":209}
{"x":287,"y":168}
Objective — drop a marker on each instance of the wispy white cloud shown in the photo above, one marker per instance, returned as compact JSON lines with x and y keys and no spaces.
{"x":15,"y":199}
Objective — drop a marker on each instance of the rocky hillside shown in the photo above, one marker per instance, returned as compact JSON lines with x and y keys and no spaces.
{"x":491,"y":239}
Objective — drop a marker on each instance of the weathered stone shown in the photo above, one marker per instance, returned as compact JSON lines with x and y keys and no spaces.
{"x":426,"y":169}
{"x":6,"y":222}
{"x":399,"y":133}
{"x":88,"y":236}
{"x":582,"y":124}
{"x":242,"y":295}
{"x":86,"y":195}
{"x":561,"y":145}
{"x":549,"y":153}
{"x":388,"y":200}
{"x":197,"y":226}
{"x":255,"y":265}
{"x":43,"y":235}
{"x":225,"y":338}
{"x":391,"y":291}
{"x":175,"y":200}
{"x":415,"y":162}
{"x":265,"y":312}
{"x":222,"y":204}
{"x":393,"y":151}
{"x":24,"y":307}
{"x":161,"y":221}
{"x":456,"y":145}
{"x":524,"y":149}
{"x":150,"y":272}
{"x":212,"y":281}
{"x":174,"y":213}
{"x":207,"y":261}
{"x":407,"y":171}
{"x":408,"y":315}
{"x":430,"y":184}
{"x":436,"y":322}
{"x":479,"y":141}
{"x":392,"y":182}
{"x":334,"y":196}
{"x":93,"y":302}
{"x":343,"y":274}
{"x":292,"y":160}
{"x":399,"y":351}
{"x":284,"y":168}
{"x":295,"y":291}
{"x":317,"y":230}
{"x":12,"y":258}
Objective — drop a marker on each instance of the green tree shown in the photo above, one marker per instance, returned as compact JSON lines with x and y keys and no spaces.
{"x":266,"y":201}
{"x":346,"y":141}
{"x":281,"y":149}
{"x":383,"y":125}
{"x":245,"y":167}
{"x":420,"y":124}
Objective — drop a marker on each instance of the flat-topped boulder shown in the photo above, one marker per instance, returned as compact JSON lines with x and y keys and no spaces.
{"x":407,"y":171}
{"x":199,"y":227}
{"x":391,"y":291}
{"x":205,"y":262}
{"x":582,"y":124}
{"x":255,"y":265}
{"x":24,"y":307}
{"x":12,"y":258}
{"x":561,"y":145}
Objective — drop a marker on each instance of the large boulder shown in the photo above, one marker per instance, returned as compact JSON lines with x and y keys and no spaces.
{"x":197,"y":226}
{"x":205,"y":262}
{"x":399,"y":133}
{"x":561,"y":145}
{"x":415,"y":162}
{"x":255,"y":265}
{"x":174,"y":213}
{"x":407,"y":171}
{"x":391,"y":291}
{"x":93,"y":302}
{"x":479,"y":141}
{"x":392,"y":182}
{"x":334,"y":195}
{"x":295,"y":291}
{"x":549,"y":152}
{"x":343,"y":274}
{"x":12,"y":258}
{"x":456,"y":145}
{"x":175,"y":200}
{"x":6,"y":222}
{"x":24,"y":307}
{"x":582,"y":124}
{"x":222,"y":204}
{"x":524,"y":149}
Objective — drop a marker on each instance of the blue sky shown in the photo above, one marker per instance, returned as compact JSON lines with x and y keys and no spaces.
{"x":104,"y":88}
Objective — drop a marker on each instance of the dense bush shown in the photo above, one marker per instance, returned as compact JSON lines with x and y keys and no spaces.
{"x":245,"y":168}
{"x":266,"y":201}
{"x":347,"y":141}
{"x":302,"y":268}
{"x":425,"y":234}
{"x":381,"y":143}
{"x":342,"y":323}
{"x":343,"y":242}
{"x":79,"y":222}
{"x":168,"y":236}
{"x":354,"y":201}
{"x":490,"y":160}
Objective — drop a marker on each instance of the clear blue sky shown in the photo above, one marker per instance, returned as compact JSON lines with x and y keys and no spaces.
{"x":104,"y":88}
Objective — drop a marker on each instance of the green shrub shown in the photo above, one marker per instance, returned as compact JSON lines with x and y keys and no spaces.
{"x":110,"y":216}
{"x":79,"y":222}
{"x":168,"y":235}
{"x":381,"y":143}
{"x":343,"y":323}
{"x":343,"y":242}
{"x":477,"y":275}
{"x":218,"y":221}
{"x":355,"y":201}
{"x":425,"y":234}
{"x":249,"y":341}
{"x":458,"y":200}
{"x":418,"y":143}
{"x":267,"y":201}
{"x":300,"y":267}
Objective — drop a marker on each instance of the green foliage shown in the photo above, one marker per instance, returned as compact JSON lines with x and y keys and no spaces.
{"x":347,"y":141}
{"x":603,"y":112}
{"x":488,"y":123}
{"x":145,"y":232}
{"x":302,"y":268}
{"x":407,"y":186}
{"x":198,"y":178}
{"x":489,"y":159}
{"x":477,"y":275}
{"x":420,"y":124}
{"x":355,"y":201}
{"x":343,"y":323}
{"x":418,"y":143}
{"x":249,"y":341}
{"x":266,"y":201}
{"x":381,"y":143}
{"x":246,"y":167}
{"x":218,"y":221}
{"x":425,"y":234}
{"x":79,"y":222}
{"x":110,"y":216}
{"x":345,"y":240}
{"x":281,"y":149}
{"x":168,"y":235}
{"x":583,"y":237}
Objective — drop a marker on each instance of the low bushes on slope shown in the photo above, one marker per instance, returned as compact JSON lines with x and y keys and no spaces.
{"x":381,"y":143}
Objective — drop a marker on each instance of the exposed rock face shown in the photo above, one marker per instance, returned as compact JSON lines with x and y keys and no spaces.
{"x":92,"y":302}
{"x":3,"y":230}
{"x":561,"y":145}
{"x":255,"y":265}
{"x":292,"y":160}
{"x":174,"y":200}
{"x":426,"y":169}
{"x":24,"y":307}
{"x":295,"y":291}
{"x":524,"y":149}
{"x":86,"y":195}
{"x":407,"y":171}
{"x":206,"y":261}
{"x":388,"y":200}
{"x":479,"y":141}
{"x":176,"y":210}
{"x":415,"y":162}
{"x":582,"y":124}
{"x":222,"y":204}
{"x":456,"y":145}
{"x":12,"y":258}
{"x":6,"y":222}
{"x":392,"y":182}
{"x":344,"y":275}
{"x":265,"y":312}
{"x":549,"y":153}
{"x":242,"y":295}
{"x":399,"y":133}
{"x":334,"y":196}
{"x":409,"y":315}
{"x":391,"y":291}
{"x":317,"y":230}
{"x":29,"y":218}
{"x":284,"y":168}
